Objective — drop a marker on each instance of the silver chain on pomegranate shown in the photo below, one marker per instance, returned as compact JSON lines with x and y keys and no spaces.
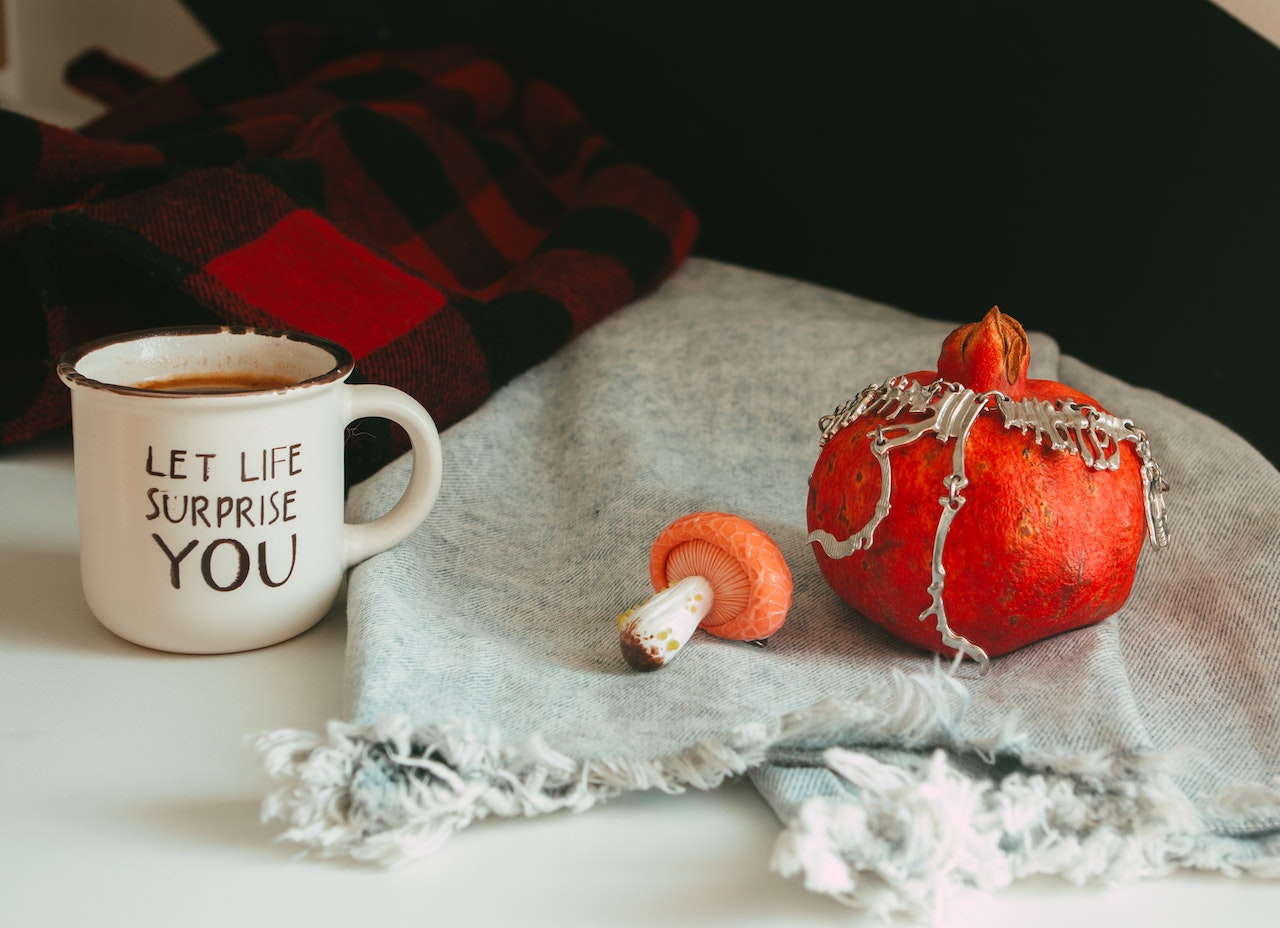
{"x":950,"y":409}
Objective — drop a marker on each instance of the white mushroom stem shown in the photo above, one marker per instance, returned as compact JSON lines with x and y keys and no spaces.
{"x":654,"y":632}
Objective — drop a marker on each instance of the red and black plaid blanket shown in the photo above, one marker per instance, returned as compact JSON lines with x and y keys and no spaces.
{"x":448,"y":218}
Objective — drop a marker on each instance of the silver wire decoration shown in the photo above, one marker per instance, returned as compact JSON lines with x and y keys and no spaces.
{"x":948,"y":412}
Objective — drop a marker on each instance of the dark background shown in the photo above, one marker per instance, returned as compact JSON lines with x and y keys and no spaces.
{"x":1107,"y":171}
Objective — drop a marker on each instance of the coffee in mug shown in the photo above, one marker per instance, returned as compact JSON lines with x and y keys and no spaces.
{"x":210,"y":483}
{"x":217,"y":382}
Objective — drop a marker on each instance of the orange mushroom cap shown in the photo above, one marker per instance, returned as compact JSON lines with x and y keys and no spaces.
{"x":744,"y":566}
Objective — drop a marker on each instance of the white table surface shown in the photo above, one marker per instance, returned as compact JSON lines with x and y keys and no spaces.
{"x":129,"y":796}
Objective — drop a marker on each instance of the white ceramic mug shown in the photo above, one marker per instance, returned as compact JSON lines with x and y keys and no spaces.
{"x":209,"y":480}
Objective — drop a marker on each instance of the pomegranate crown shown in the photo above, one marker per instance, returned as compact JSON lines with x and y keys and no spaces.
{"x":989,"y":355}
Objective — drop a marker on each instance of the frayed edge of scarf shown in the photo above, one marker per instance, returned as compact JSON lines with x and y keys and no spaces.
{"x":918,"y":839}
{"x":390,"y":792}
{"x":921,"y":838}
{"x":914,"y":837}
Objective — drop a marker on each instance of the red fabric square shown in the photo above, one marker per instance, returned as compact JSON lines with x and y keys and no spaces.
{"x":316,"y":280}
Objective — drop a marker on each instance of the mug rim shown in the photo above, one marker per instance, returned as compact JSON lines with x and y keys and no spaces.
{"x":68,"y":369}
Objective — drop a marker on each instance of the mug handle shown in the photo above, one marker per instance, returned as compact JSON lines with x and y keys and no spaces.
{"x":365,"y":539}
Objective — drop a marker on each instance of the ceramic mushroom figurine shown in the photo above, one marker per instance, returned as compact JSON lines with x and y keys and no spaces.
{"x":714,"y":571}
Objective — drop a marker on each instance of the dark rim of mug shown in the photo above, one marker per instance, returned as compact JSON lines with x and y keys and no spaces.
{"x":343,"y":362}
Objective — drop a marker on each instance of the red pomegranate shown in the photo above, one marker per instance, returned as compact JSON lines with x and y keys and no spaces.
{"x":972,"y":510}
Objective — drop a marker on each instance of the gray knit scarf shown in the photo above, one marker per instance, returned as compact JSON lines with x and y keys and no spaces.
{"x":485,"y":675}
